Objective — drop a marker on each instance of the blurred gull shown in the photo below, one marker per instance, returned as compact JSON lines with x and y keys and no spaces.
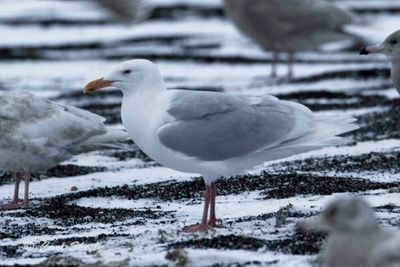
{"x":391,"y":48}
{"x":355,"y":237}
{"x":127,"y":10}
{"x":211,"y":133}
{"x":37,"y":134}
{"x":290,"y":26}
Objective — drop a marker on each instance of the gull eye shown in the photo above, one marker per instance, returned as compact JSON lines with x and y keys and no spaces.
{"x":394,"y":42}
{"x":126,"y":72}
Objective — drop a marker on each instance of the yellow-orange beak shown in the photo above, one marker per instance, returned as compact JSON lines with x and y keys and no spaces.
{"x":96,"y":85}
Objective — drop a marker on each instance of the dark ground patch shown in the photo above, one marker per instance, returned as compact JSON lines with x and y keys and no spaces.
{"x":133,"y":153}
{"x":274,"y":186}
{"x":230,"y":242}
{"x":14,"y":231}
{"x":331,"y":100}
{"x":59,"y":171}
{"x":297,"y":244}
{"x":70,"y":214}
{"x":379,"y":125}
{"x":266,"y":216}
{"x":70,"y":170}
{"x":11,"y":252}
{"x":17,"y":250}
{"x":387,"y":162}
{"x":357,"y":74}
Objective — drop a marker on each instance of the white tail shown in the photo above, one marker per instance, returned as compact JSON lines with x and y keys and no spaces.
{"x":326,"y":132}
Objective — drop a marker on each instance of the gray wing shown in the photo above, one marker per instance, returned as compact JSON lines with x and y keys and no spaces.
{"x":316,"y":15}
{"x":215,"y":126}
{"x":31,"y":118}
{"x":287,"y":17}
{"x":128,"y":10}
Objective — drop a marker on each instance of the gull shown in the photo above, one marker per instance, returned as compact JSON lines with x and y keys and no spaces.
{"x":127,"y":10}
{"x":37,"y":134}
{"x":290,"y":26}
{"x":212,"y":133}
{"x":391,"y":48}
{"x":355,"y":237}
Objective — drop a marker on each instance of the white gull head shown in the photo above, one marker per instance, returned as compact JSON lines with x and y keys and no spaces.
{"x":389,"y":47}
{"x":349,"y":214}
{"x":133,"y":76}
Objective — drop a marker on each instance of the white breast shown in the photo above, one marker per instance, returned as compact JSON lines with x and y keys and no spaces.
{"x":142,"y":117}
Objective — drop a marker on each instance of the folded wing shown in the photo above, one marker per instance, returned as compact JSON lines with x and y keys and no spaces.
{"x":216,"y":126}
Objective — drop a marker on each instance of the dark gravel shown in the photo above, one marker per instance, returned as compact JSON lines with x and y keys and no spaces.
{"x":222,"y":242}
{"x":387,"y":162}
{"x":273,"y":186}
{"x":380,"y":125}
{"x":298,"y":244}
{"x":70,"y":214}
{"x":60,"y":171}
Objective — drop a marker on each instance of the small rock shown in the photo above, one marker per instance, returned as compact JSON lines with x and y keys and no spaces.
{"x":178,"y":256}
{"x":282,"y":214}
{"x":74,"y":188}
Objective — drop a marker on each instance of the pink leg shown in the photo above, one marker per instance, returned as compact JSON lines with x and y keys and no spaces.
{"x":274,"y":61}
{"x":290,"y":66}
{"x":203,"y":226}
{"x":27,"y":178}
{"x":14,"y":204}
{"x":16,"y":188}
{"x":213,"y":219}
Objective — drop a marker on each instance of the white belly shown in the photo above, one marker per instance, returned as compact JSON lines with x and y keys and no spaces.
{"x":142,"y":122}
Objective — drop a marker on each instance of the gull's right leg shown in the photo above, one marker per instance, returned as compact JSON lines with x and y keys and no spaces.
{"x":274,"y":62}
{"x":15,"y":203}
{"x":213,"y":219}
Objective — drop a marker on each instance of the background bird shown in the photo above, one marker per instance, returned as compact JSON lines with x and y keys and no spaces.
{"x":355,"y":237}
{"x":391,"y":48}
{"x":37,"y":134}
{"x":290,"y":26}
{"x":127,"y":10}
{"x":211,"y":133}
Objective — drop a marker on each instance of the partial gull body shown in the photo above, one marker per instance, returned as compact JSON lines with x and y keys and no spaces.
{"x":391,"y":48}
{"x":37,"y":134}
{"x":355,"y":237}
{"x":289,"y":26}
{"x":214,"y":134}
{"x":126,"y":10}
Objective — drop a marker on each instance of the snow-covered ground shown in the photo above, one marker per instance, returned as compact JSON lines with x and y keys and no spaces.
{"x":128,"y":210}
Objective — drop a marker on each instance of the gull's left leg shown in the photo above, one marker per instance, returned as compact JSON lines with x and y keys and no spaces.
{"x":290,"y":66}
{"x":274,"y":62}
{"x":27,"y":179}
{"x":203,"y":226}
{"x":213,"y":219}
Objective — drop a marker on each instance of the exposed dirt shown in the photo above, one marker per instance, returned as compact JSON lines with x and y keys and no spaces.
{"x":298,"y":244}
{"x":387,"y":162}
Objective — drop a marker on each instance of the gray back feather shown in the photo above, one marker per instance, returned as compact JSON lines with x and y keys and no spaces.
{"x":216,"y":126}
